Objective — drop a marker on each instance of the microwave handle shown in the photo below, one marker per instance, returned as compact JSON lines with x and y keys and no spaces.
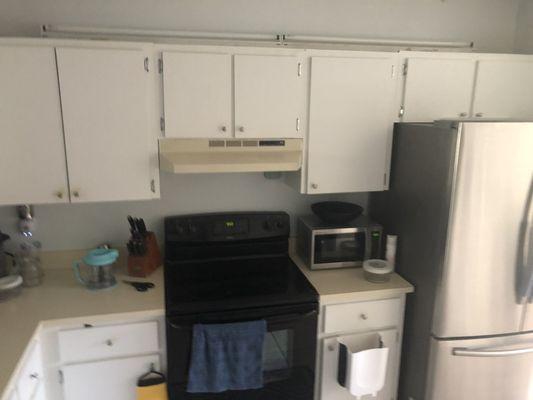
{"x":269,"y":320}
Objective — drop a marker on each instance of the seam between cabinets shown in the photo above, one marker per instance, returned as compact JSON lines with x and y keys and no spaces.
{"x":67,"y":172}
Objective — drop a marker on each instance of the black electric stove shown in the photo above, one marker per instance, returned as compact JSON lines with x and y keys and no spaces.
{"x":231,"y":267}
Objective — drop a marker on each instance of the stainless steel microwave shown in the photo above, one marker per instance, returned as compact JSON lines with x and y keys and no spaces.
{"x":322,"y":245}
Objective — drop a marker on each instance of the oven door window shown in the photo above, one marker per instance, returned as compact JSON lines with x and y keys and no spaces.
{"x":277,"y":355}
{"x":341,"y":247}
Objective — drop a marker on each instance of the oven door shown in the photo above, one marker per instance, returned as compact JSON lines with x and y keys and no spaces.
{"x":288,"y":352}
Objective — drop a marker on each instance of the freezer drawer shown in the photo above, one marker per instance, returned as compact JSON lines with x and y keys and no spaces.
{"x":488,"y":369}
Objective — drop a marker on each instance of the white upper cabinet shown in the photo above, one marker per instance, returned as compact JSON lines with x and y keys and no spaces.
{"x":32,"y":153}
{"x":197,"y":95}
{"x":352,"y":112}
{"x":106,"y":114}
{"x":504,"y":88}
{"x":437,"y":88}
{"x":269,"y":96}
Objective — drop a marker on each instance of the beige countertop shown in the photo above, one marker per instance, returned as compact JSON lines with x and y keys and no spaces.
{"x":61,"y":296}
{"x":348,"y":284}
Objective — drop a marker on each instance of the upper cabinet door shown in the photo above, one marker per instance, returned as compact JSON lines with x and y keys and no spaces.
{"x":32,"y":153}
{"x":105,"y":100}
{"x":504,"y":89}
{"x":269,"y":96}
{"x":438,"y":88}
{"x":350,"y":123}
{"x":197,"y":95}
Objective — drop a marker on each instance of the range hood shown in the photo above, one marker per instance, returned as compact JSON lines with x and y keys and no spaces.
{"x":229,"y":155}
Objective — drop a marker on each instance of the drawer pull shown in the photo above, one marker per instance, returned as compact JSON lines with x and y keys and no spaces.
{"x":363,"y":317}
{"x":109,"y":342}
{"x":34,"y":376}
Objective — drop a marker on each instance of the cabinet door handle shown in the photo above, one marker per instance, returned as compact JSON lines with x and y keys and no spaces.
{"x":479,"y":114}
{"x":59,"y":194}
{"x":463,"y":114}
{"x":76,"y":193}
{"x":363,"y":316}
{"x":241,"y":128}
{"x":223,"y":129}
{"x":109,"y":342}
{"x":314,"y":186}
{"x":34,"y":376}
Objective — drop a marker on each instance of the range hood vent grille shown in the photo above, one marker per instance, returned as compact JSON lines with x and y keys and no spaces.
{"x":231,"y":155}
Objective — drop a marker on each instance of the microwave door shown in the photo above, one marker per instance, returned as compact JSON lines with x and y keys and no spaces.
{"x":343,"y":249}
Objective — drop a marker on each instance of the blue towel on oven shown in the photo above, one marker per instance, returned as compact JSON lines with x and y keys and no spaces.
{"x":226,"y":357}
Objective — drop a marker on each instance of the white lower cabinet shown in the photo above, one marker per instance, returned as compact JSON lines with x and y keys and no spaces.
{"x":106,"y":380}
{"x":12,"y":396}
{"x":332,"y":390}
{"x":355,"y":322}
{"x":31,"y":374}
{"x":40,"y":394}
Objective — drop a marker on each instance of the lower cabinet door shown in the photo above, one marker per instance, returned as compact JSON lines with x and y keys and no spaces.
{"x":12,"y":396}
{"x":330,"y":389}
{"x":40,"y":394}
{"x":106,"y":380}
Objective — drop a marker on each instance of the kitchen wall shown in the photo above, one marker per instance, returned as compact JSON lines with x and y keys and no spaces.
{"x":80,"y":226}
{"x":491,"y":24}
{"x":524,"y":29}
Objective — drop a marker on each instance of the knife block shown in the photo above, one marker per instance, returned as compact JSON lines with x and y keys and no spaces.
{"x":142,"y":266}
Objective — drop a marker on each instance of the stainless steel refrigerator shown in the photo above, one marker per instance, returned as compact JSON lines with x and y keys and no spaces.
{"x":460,"y":200}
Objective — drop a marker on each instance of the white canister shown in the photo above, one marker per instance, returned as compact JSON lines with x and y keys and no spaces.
{"x":377,"y":271}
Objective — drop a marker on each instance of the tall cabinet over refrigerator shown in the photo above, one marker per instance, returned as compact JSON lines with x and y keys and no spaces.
{"x":460,"y":200}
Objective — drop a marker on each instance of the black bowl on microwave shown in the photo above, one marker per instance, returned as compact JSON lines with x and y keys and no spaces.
{"x":336,"y":212}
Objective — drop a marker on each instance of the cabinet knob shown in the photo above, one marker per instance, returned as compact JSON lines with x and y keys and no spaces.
{"x":59,"y":194}
{"x":363,"y":316}
{"x":314,"y":186}
{"x":479,"y":114}
{"x":241,"y":128}
{"x":223,"y":129}
{"x":75,"y":193}
{"x":109,"y":342}
{"x":331,"y":347}
{"x":463,"y":114}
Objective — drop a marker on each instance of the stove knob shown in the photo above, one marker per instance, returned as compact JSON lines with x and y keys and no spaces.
{"x":180,"y":229}
{"x":193,"y":228}
{"x":267,"y":225}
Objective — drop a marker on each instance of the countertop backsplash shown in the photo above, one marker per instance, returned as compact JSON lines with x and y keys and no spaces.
{"x":82,"y":226}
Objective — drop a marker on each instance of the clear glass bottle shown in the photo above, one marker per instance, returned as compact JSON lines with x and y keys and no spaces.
{"x":29,"y":265}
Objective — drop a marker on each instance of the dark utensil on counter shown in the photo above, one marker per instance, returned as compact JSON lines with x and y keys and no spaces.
{"x":140,"y":286}
{"x":336,"y":212}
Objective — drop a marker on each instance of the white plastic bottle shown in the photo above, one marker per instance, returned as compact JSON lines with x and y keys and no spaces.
{"x":390,"y":250}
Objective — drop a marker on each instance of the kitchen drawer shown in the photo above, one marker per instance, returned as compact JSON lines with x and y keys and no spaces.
{"x":364,"y":315}
{"x":31,"y":373}
{"x":108,"y":341}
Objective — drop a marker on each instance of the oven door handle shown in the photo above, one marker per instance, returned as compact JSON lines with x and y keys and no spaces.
{"x":269,"y":320}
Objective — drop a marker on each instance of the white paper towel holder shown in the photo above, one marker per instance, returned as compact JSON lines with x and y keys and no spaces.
{"x":362,"y":366}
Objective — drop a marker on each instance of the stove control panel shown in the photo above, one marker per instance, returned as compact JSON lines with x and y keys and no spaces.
{"x":223,"y":227}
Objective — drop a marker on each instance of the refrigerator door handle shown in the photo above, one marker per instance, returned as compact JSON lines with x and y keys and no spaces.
{"x":525,"y":262}
{"x":466,"y":352}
